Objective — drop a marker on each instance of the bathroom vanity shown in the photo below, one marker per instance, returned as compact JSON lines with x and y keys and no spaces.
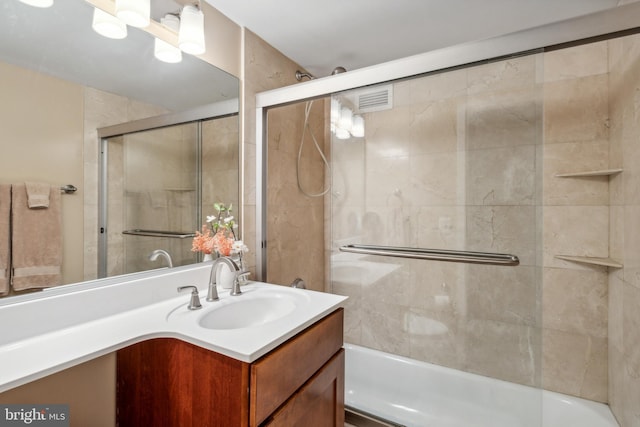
{"x":170,"y":382}
{"x":272,"y":356}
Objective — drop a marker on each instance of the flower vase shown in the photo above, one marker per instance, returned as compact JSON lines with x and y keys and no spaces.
{"x":207,"y":257}
{"x":224,"y":276}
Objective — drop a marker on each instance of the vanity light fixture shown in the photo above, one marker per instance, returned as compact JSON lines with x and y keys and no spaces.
{"x":345,"y":124}
{"x":191,"y":34}
{"x":136,"y":13}
{"x":38,"y":3}
{"x":108,"y":25}
{"x":164,"y":51}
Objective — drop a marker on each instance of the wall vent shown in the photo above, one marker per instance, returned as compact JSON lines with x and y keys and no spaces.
{"x":375,"y":99}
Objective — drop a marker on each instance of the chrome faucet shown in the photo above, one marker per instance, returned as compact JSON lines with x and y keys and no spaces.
{"x":164,"y":254}
{"x":212,"y":295}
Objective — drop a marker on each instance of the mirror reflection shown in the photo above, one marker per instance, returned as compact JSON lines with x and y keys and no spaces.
{"x":61,"y":82}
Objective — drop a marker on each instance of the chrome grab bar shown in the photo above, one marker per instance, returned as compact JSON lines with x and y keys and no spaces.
{"x":158,"y":233}
{"x":434,"y":254}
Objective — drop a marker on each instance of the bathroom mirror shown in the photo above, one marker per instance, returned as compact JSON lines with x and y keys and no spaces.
{"x":61,"y":81}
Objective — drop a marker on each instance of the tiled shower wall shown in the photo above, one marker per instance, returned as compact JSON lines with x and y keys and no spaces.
{"x":295,"y":234}
{"x":467,"y":160}
{"x":624,"y":244}
{"x":575,"y":221}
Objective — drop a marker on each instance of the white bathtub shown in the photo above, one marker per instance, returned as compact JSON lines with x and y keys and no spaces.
{"x":413,"y":393}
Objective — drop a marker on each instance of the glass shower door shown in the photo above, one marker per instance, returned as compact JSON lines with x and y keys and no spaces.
{"x":447,"y":163}
{"x":152,"y":191}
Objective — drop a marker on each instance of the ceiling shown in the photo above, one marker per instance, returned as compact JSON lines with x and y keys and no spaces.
{"x":321,"y":35}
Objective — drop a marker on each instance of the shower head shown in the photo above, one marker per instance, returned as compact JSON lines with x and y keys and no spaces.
{"x":301,"y":75}
{"x":338,"y":70}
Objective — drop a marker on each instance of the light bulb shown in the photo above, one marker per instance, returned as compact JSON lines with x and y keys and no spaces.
{"x":342,"y":133}
{"x":346,"y":119}
{"x":357,"y":129}
{"x":191,"y":35}
{"x":108,"y":25}
{"x":134,"y":12}
{"x":164,"y":51}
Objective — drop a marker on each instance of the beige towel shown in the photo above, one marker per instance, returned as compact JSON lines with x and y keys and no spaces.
{"x":36,"y":242}
{"x":5,"y":239}
{"x":38,"y":193}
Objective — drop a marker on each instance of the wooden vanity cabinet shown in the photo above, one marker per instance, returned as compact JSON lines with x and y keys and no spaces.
{"x":168,"y":382}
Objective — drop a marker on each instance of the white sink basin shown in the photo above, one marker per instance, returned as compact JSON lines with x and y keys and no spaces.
{"x":245,"y":311}
{"x":249,"y":325}
{"x":255,"y":307}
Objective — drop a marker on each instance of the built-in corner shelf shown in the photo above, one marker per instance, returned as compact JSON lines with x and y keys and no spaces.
{"x":606,"y":262}
{"x":604,"y":172}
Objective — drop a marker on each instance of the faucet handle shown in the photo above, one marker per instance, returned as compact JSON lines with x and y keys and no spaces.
{"x":235,"y":290}
{"x":194,"y":303}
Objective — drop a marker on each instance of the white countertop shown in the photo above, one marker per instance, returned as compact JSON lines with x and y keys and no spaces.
{"x":61,"y":328}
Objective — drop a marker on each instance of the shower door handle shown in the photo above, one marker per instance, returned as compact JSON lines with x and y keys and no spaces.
{"x":159,"y":233}
{"x":435,"y":254}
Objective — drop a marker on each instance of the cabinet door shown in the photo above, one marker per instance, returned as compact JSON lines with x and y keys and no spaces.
{"x":276,"y":376}
{"x":319,"y":403}
{"x":171,"y":383}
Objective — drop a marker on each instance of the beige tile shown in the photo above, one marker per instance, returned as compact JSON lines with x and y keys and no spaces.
{"x":576,"y":110}
{"x":616,"y":234}
{"x":596,"y":379}
{"x":435,"y":337}
{"x":388,"y":133}
{"x":631,"y":331}
{"x":441,"y":227}
{"x":631,"y":414}
{"x":383,"y":328}
{"x":286,"y":260}
{"x":503,"y":119}
{"x":387,"y":180}
{"x":574,"y":364}
{"x":502,"y":229}
{"x":631,"y":168}
{"x":249,"y":178}
{"x":576,"y":301}
{"x":501,"y":176}
{"x":388,"y":226}
{"x":447,"y":85}
{"x":575,"y":157}
{"x":352,"y":310}
{"x":577,"y":231}
{"x":385,"y":280}
{"x":503,"y":350}
{"x":504,"y":294}
{"x":434,"y":126}
{"x":515,"y":73}
{"x":438,"y":286}
{"x":616,"y":312}
{"x":433,"y":179}
{"x":616,"y":398}
{"x":632,"y":245}
{"x":575,"y":62}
